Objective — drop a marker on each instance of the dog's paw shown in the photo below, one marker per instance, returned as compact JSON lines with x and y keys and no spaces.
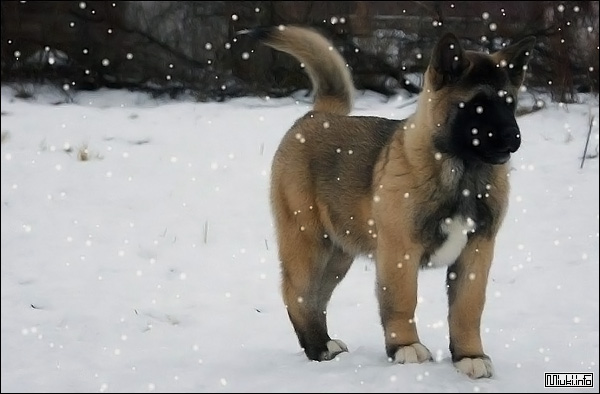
{"x":334,"y":347}
{"x":476,"y":367}
{"x":415,"y":353}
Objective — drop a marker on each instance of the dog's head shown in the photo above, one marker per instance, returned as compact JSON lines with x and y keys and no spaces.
{"x":473,"y":97}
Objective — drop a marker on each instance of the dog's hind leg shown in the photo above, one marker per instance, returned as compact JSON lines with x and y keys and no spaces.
{"x":337,"y":266}
{"x":311,"y":268}
{"x":335,"y":270}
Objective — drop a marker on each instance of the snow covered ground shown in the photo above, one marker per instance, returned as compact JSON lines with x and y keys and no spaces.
{"x":138,"y":255}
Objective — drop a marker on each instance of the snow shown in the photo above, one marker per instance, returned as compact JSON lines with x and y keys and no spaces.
{"x":152,"y":265}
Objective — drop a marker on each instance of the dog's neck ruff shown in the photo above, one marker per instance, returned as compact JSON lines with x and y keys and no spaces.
{"x":452,"y":172}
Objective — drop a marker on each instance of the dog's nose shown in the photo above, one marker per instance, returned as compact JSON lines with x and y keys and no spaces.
{"x":510,"y":139}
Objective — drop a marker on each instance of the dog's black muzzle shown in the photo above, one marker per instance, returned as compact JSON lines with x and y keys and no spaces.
{"x":484,"y":129}
{"x":508,"y":141}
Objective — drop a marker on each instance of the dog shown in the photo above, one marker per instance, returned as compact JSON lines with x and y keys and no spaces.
{"x":427,"y":191}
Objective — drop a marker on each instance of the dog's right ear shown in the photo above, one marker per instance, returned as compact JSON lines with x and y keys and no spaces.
{"x":515,"y":58}
{"x":448,"y":61}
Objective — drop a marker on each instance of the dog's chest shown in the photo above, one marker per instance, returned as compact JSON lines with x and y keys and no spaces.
{"x":456,"y":231}
{"x":462,"y":207}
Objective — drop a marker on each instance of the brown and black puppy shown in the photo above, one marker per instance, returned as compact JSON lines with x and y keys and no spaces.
{"x":430,"y":190}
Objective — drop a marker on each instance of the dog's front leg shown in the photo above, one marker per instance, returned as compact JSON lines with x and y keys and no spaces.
{"x":397,"y":269}
{"x":467,"y":280}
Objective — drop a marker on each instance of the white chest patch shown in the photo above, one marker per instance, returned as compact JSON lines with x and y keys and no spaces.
{"x":456,"y":229}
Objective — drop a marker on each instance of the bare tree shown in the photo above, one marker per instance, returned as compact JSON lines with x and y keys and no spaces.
{"x":192,"y":47}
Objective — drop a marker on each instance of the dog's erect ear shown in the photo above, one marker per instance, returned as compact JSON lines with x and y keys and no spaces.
{"x":515,"y":58}
{"x":448,"y":61}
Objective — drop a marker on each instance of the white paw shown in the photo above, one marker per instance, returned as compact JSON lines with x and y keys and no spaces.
{"x":475,"y":368}
{"x":415,"y":353}
{"x":334,"y":347}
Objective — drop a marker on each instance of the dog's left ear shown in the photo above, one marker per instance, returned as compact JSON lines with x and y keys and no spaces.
{"x":448,"y":62}
{"x":515,"y":58}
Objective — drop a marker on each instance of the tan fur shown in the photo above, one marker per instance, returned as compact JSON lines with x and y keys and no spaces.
{"x":343,"y":186}
{"x":330,"y":78}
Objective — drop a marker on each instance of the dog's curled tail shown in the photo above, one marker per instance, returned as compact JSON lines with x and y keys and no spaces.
{"x":331,"y":79}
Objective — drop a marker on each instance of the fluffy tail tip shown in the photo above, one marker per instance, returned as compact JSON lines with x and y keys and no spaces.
{"x":258,"y":33}
{"x":261,"y":33}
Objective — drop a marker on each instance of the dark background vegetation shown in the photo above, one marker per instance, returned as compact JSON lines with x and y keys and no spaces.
{"x":174,"y":47}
